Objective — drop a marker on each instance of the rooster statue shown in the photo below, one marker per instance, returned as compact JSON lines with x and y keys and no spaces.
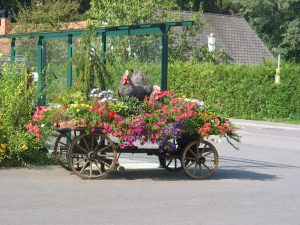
{"x":136,"y":85}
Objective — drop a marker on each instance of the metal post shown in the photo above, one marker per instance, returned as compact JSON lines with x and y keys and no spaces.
{"x":103,"y":48}
{"x":70,"y":54}
{"x":164,"y":59}
{"x":12,"y":50}
{"x":41,"y":67}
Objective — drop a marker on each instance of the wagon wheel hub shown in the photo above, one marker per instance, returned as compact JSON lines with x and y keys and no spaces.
{"x":201,"y":160}
{"x":92,"y":155}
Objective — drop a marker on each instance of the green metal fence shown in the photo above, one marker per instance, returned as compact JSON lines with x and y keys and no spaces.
{"x":36,"y":44}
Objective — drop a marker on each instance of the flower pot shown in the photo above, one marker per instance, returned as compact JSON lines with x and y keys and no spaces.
{"x":184,"y":139}
{"x":71,"y":124}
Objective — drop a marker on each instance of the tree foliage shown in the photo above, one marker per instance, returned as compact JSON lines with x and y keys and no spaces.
{"x":276,"y":22}
{"x":46,"y":15}
{"x":126,"y":12}
{"x":90,"y":70}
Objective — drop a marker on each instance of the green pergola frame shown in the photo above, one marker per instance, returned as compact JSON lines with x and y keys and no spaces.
{"x":104,"y":32}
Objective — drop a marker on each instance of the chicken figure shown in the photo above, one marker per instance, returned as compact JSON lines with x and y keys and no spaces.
{"x":138,"y":85}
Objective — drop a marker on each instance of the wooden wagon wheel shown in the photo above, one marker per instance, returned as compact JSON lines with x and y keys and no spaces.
{"x":203,"y":159}
{"x":61,"y":146}
{"x":92,"y":156}
{"x":170,"y":162}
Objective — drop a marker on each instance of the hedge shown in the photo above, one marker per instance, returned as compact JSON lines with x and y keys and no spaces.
{"x":239,"y":91}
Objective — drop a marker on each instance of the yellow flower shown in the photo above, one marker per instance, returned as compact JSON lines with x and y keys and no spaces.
{"x":78,"y":110}
{"x":24,"y":147}
{"x":3,"y":146}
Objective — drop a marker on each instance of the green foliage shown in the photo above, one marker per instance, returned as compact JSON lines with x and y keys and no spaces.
{"x":241,"y":91}
{"x":126,"y":106}
{"x":16,"y":108}
{"x":68,"y":96}
{"x":275,"y":21}
{"x":90,"y":70}
{"x":112,"y":13}
{"x":290,"y":45}
{"x":127,"y":12}
{"x":46,"y":15}
{"x":219,"y":56}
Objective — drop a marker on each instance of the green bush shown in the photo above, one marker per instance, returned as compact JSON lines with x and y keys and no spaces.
{"x":17,"y":146}
{"x":239,"y":91}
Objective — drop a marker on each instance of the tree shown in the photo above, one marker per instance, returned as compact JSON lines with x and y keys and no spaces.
{"x":290,"y":45}
{"x":11,"y":7}
{"x":127,"y":12}
{"x":276,"y":22}
{"x":46,"y":15}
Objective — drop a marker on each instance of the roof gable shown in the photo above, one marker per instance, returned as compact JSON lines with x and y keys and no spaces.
{"x":235,"y":36}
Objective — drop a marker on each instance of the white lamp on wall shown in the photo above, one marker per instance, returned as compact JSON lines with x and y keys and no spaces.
{"x":211,"y":42}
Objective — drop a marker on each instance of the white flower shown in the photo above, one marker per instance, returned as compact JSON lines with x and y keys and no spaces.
{"x":42,"y":125}
{"x":103,"y":100}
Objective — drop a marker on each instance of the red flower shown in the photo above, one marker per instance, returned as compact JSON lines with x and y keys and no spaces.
{"x":111,"y":115}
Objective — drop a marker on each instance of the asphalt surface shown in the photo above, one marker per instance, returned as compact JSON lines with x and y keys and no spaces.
{"x":258,"y":184}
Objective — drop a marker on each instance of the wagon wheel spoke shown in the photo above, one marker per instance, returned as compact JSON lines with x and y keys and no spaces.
{"x":191,"y":164}
{"x":63,"y":144}
{"x":105,"y":148}
{"x":81,"y":160}
{"x":195,"y":168}
{"x":83,"y":149}
{"x":206,"y":166}
{"x":91,"y":169}
{"x":86,"y":144}
{"x":84,"y":166}
{"x":98,"y":168}
{"x":102,"y":149}
{"x":203,"y":149}
{"x":189,"y":158}
{"x":190,"y":150}
{"x":107,"y":164}
{"x":170,"y":162}
{"x":207,"y":154}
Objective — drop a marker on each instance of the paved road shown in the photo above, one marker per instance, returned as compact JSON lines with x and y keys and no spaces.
{"x":259,"y":184}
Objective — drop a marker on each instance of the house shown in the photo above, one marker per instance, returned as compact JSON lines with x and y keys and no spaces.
{"x":235,"y":36}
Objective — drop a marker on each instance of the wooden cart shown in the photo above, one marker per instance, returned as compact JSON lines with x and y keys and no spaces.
{"x":94,"y":155}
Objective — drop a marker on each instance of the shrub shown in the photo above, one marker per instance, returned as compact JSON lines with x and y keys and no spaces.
{"x":241,"y":91}
{"x":17,"y":146}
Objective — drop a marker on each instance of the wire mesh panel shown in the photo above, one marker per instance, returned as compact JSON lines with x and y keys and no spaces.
{"x":56,"y":67}
{"x":134,"y":53}
{"x":27,"y":53}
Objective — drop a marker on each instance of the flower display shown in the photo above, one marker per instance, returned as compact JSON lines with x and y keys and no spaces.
{"x":159,"y":120}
